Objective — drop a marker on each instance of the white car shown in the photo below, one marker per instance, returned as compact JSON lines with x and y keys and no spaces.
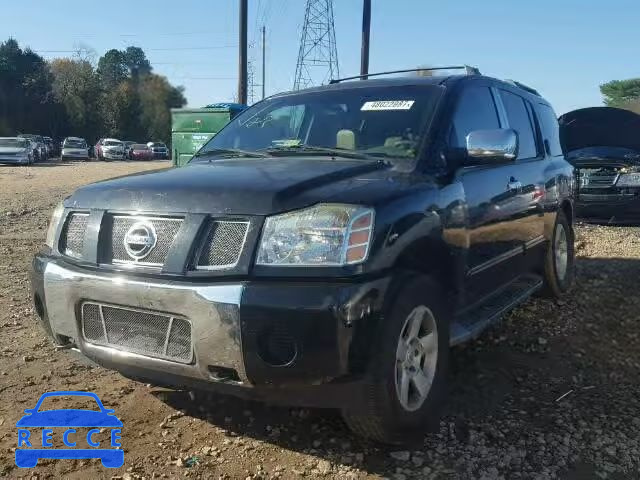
{"x":17,"y":150}
{"x":112,"y":149}
{"x":76,"y":148}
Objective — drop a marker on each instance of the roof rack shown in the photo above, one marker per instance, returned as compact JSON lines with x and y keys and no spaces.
{"x":467,"y":69}
{"x":524,"y":87}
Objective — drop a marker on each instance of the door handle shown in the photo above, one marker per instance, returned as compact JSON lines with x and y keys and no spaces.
{"x":514,"y":185}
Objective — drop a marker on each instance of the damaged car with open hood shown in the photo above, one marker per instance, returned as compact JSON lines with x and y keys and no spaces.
{"x":603,"y":144}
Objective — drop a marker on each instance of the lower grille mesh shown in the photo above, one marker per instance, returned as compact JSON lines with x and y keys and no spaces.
{"x":145,"y":333}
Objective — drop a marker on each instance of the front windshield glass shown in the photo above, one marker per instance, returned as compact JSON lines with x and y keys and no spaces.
{"x":373,"y":121}
{"x":111,"y":143}
{"x":13,"y":142}
{"x":139,"y":146}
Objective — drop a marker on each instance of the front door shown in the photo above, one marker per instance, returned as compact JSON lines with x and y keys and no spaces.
{"x":494,"y":200}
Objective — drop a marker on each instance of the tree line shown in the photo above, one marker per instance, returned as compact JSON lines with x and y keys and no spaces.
{"x":622,"y":94}
{"x":119,"y":97}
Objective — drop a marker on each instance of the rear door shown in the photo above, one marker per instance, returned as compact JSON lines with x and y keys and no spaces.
{"x":491,"y":198}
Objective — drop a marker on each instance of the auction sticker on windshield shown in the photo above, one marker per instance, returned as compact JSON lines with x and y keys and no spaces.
{"x":388,"y":105}
{"x":92,"y":431}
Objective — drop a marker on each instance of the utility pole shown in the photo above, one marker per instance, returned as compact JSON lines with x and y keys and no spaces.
{"x":366,"y":29}
{"x":242,"y":58}
{"x":263,"y":60}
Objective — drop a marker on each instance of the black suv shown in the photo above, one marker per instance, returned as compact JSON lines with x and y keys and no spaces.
{"x":326,"y":248}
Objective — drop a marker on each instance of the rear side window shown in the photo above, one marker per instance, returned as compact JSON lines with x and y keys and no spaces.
{"x":550,"y":128}
{"x":520,"y":121}
{"x":476,"y":110}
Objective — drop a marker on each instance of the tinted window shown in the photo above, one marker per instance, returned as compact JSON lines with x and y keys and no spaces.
{"x":475,"y":111}
{"x":520,"y":121}
{"x":550,"y":129}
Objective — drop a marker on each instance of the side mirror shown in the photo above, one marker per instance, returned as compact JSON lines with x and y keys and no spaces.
{"x":486,"y":147}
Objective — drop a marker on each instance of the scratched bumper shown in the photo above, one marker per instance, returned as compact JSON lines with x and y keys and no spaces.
{"x":307,"y":342}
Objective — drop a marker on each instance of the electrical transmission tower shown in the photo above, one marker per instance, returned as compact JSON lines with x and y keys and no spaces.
{"x":318,"y":54}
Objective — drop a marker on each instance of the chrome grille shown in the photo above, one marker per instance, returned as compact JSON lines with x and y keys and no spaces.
{"x":73,"y":236}
{"x":137,"y":331}
{"x":597,"y":178}
{"x":166,"y":232}
{"x":222,"y":245}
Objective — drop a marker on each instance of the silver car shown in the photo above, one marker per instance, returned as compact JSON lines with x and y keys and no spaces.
{"x":74,"y":148}
{"x":16,"y":150}
{"x":40,"y":150}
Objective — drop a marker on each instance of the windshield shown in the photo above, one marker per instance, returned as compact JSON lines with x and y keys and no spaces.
{"x":374,"y":121}
{"x":159,"y":145}
{"x":139,"y":146}
{"x":75,"y":144}
{"x":13,"y":142}
{"x":112,"y":143}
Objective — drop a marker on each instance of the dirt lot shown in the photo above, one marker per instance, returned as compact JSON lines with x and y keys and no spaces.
{"x":552,"y":392}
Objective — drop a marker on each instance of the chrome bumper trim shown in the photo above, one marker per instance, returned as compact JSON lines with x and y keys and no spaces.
{"x":213,"y":310}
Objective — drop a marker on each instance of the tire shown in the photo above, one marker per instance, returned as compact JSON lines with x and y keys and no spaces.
{"x":559,"y":274}
{"x":389,"y":416}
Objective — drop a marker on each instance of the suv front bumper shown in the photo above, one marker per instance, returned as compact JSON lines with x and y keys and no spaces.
{"x":613,"y":209}
{"x":299,"y":343}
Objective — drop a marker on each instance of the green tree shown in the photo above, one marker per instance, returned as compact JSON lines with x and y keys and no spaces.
{"x":136,"y":61}
{"x":76,"y":87}
{"x":112,"y":68}
{"x":157,"y":97}
{"x":617,"y":93}
{"x":26,"y":99}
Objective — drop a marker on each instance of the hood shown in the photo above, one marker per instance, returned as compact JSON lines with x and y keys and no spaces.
{"x":254,"y":186}
{"x":12,"y":150}
{"x":600,"y":127}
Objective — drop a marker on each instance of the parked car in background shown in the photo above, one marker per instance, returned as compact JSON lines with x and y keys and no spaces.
{"x":127,"y":148}
{"x":112,"y":149}
{"x":324,"y":249}
{"x":17,"y":150}
{"x":159,"y":150}
{"x":52,"y":151}
{"x":603,"y":143}
{"x":74,"y":148}
{"x":139,"y":151}
{"x":40,"y":148}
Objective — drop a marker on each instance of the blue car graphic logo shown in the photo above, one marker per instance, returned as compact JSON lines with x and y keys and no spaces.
{"x":32,"y":447}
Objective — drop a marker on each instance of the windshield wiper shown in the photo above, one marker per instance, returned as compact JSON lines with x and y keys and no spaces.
{"x":235,"y":152}
{"x":313,"y":149}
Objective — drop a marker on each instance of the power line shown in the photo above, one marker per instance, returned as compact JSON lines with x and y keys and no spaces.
{"x":211,"y":47}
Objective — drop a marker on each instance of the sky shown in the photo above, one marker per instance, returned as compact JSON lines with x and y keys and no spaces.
{"x":563,"y":48}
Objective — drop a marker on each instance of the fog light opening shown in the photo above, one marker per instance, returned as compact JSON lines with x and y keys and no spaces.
{"x":277,"y":348}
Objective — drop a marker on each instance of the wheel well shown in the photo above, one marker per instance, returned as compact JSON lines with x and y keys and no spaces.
{"x":434,"y":258}
{"x":567,"y":209}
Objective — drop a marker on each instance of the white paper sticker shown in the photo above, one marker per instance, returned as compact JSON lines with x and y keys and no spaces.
{"x":388,"y":105}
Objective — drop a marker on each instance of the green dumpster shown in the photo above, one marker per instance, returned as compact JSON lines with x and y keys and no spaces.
{"x":193,"y":127}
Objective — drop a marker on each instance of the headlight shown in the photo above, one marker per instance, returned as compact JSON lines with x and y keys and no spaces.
{"x":629,"y":180}
{"x":323,"y":235}
{"x":53,"y":225}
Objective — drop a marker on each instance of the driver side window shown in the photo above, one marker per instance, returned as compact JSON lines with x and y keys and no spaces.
{"x":476,"y":110}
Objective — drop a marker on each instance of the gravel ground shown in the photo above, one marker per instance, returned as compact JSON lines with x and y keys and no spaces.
{"x":552,"y":392}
